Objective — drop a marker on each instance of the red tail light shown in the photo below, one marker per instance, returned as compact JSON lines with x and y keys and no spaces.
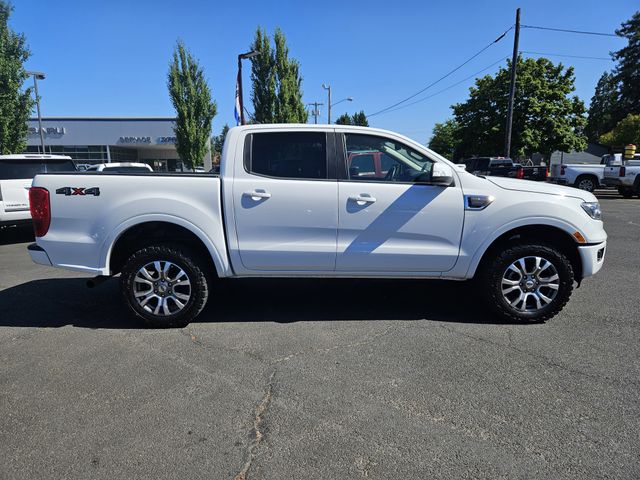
{"x":562,"y":170}
{"x":520,"y":173}
{"x":623,"y":171}
{"x":40,"y":210}
{"x":548,"y":172}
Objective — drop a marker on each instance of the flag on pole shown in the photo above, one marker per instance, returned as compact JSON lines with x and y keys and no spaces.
{"x":238,"y":107}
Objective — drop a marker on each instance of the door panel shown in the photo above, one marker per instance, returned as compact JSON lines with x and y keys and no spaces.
{"x":284,"y":223}
{"x":406,"y":228}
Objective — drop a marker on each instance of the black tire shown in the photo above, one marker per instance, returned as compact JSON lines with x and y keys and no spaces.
{"x":586,"y":182}
{"x":626,"y":192}
{"x":178,"y":258}
{"x":495,"y":268}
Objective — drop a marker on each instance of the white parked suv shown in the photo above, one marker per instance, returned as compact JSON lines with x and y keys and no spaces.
{"x":16,"y":174}
{"x":286,"y":205}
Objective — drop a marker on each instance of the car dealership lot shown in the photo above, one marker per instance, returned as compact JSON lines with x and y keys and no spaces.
{"x":321,"y":379}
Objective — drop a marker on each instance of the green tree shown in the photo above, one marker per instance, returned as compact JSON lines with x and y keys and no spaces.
{"x":344,"y":119}
{"x":16,"y":104}
{"x":603,"y":107}
{"x":545,"y":117}
{"x":263,"y":79}
{"x":627,"y":71}
{"x":625,"y":132}
{"x":217,"y":142}
{"x":358,"y":118}
{"x":276,"y":82}
{"x":446,"y":138}
{"x":195,"y":109}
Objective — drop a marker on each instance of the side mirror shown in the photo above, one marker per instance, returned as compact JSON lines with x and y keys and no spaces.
{"x":441,"y":175}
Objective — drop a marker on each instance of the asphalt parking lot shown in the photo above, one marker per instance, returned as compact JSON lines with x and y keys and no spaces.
{"x":320,"y":379}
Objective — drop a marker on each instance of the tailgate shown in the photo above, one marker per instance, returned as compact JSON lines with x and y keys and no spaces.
{"x":15,"y":195}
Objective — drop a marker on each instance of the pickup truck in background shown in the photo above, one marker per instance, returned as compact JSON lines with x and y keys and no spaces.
{"x":583,"y":176}
{"x":623,"y":174}
{"x":16,"y":175}
{"x":288,"y":204}
{"x":504,"y":167}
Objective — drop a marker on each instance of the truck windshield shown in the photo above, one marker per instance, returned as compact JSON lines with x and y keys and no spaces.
{"x":23,"y":169}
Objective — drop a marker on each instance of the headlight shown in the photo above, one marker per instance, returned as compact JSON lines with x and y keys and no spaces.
{"x":592,"y":209}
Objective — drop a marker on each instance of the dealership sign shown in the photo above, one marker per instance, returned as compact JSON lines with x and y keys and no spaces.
{"x":134,"y":140}
{"x":47,"y":130}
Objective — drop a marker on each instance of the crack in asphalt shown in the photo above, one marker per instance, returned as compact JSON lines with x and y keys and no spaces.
{"x":546,"y":360}
{"x":256,"y":434}
{"x":366,"y":341}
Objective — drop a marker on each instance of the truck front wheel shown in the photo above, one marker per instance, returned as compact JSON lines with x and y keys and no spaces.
{"x":163,"y":286}
{"x":527,"y":282}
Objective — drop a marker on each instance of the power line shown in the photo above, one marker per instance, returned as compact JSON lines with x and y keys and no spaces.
{"x":443,"y":77}
{"x":447,"y":88}
{"x":563,"y":55}
{"x":582,"y":32}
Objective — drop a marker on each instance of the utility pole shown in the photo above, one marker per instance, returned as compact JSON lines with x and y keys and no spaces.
{"x":316,"y":111}
{"x":512,"y":90}
{"x":328,"y":87}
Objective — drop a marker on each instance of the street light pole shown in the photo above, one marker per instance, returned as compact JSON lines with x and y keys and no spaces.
{"x":328,"y":88}
{"x":241,"y":57}
{"x":348,"y":99}
{"x":38,"y":76}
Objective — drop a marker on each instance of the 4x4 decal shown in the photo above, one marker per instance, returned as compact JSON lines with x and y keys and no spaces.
{"x":69,"y":191}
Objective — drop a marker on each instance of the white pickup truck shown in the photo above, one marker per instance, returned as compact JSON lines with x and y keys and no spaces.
{"x":583,"y":176}
{"x":623,"y":174}
{"x":287,"y":203}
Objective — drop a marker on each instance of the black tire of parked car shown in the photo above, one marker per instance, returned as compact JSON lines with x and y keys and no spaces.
{"x":182,"y":259}
{"x":586,"y":182}
{"x":491,"y":275}
{"x":626,"y":192}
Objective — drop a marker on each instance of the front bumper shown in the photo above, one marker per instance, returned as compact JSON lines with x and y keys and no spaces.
{"x":592,"y":257}
{"x":38,"y":255}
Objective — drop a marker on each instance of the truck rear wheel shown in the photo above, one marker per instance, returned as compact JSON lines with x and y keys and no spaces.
{"x":586,"y":182}
{"x":527,"y":282}
{"x":163,"y":286}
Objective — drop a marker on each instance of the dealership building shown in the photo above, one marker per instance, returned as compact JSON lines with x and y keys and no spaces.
{"x":92,"y":140}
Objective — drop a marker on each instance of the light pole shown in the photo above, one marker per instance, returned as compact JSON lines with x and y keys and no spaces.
{"x":348,"y":99}
{"x":242,"y":56}
{"x":38,"y":76}
{"x":328,"y":88}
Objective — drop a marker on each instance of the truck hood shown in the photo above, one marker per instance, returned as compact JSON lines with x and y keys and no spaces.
{"x":541,"y":187}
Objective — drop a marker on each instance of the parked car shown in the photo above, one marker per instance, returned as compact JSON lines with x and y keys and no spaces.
{"x":623,"y":174}
{"x":121,"y":167}
{"x":504,"y":167}
{"x":16,"y":174}
{"x":287,"y":205}
{"x":583,"y":176}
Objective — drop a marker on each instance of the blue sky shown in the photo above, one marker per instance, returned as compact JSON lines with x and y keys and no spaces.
{"x":110,"y":58}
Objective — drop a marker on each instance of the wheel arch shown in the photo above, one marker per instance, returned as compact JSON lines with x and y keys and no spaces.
{"x":592,"y":176}
{"x":140,"y":232}
{"x":548,"y":234}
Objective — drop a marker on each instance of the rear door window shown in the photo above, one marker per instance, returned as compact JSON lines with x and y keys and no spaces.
{"x":19,"y":169}
{"x":301,"y":155}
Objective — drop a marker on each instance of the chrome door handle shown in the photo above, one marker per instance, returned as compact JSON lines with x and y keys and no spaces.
{"x":362,"y":199}
{"x":257,"y":194}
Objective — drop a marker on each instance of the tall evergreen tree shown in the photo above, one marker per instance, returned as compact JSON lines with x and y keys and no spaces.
{"x":191,"y":97}
{"x":603,"y":108}
{"x":276,"y":81}
{"x":344,"y":119}
{"x":16,"y":104}
{"x":627,"y":71}
{"x":358,"y":118}
{"x":263,"y":79}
